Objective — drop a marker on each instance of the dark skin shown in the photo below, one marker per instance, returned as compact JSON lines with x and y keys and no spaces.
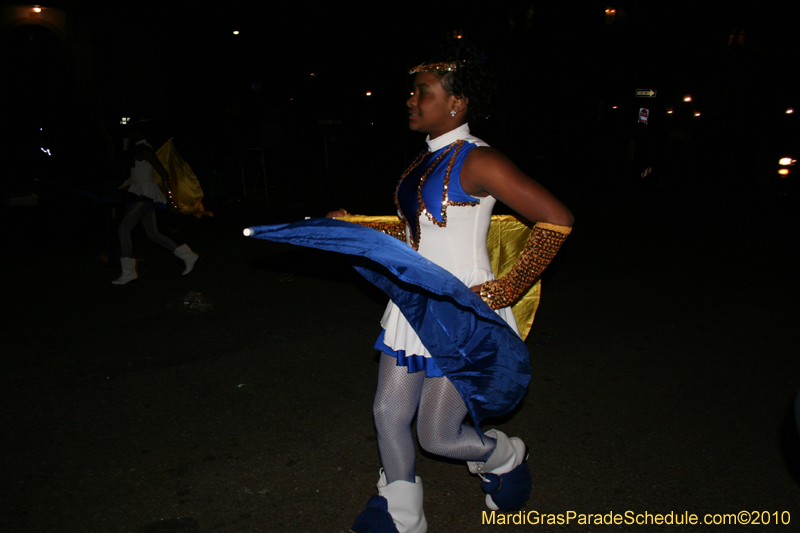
{"x":486,"y":171}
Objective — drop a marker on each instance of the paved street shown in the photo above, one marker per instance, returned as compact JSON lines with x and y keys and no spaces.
{"x":664,"y":374}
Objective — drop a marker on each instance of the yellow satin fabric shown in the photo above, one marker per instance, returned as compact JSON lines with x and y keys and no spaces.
{"x":506,"y":241}
{"x":380,"y":219}
{"x":186,"y":191}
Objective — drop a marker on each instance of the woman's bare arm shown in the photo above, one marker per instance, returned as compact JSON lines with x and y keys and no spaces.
{"x":486,"y":171}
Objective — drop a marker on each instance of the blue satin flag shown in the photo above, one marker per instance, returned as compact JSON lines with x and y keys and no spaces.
{"x":486,"y":361}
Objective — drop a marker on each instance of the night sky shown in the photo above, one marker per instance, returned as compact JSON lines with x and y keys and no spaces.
{"x":559,"y":67}
{"x":358,"y":46}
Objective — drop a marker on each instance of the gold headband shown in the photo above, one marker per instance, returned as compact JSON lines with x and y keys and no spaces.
{"x":434,"y":67}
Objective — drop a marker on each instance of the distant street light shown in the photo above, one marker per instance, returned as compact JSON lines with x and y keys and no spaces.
{"x":236,"y":32}
{"x":37,"y":9}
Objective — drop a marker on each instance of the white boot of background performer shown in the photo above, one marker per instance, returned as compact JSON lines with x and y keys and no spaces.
{"x":128,"y":271}
{"x":188,"y":257}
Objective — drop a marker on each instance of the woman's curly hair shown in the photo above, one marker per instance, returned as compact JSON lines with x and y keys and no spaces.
{"x":472,"y":78}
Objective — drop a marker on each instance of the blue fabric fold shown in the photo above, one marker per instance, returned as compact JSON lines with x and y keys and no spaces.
{"x":486,"y":361}
{"x":414,"y":363}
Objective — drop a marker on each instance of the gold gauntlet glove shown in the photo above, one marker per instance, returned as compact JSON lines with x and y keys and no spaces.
{"x":544,"y":242}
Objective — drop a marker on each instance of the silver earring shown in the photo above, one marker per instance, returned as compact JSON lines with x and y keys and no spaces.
{"x":453,"y":113}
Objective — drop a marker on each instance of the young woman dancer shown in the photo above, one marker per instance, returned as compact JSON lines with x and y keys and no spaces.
{"x":145,"y":194}
{"x":445,"y":202}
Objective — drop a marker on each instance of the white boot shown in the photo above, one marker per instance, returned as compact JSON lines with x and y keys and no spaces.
{"x":128,"y":271}
{"x":507,"y":455}
{"x":405,"y":504}
{"x":189,"y":257}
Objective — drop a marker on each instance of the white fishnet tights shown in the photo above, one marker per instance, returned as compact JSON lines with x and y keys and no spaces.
{"x":440,"y":415}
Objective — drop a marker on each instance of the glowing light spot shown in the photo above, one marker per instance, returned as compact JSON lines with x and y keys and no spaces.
{"x":236,"y":32}
{"x":789,"y":111}
{"x":697,"y":114}
{"x":687,"y":98}
{"x":247,"y":232}
{"x":369,"y":93}
{"x":785,"y":161}
{"x":37,"y":9}
{"x":783,"y":172}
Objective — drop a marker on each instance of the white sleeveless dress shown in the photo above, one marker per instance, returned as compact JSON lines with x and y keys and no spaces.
{"x":458,"y":246}
{"x":142,"y":182}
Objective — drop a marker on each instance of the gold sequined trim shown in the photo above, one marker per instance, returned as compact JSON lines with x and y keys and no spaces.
{"x":393,"y":229}
{"x":566,"y":230}
{"x":411,"y":167}
{"x":422,"y":208}
{"x":445,"y":191}
{"x":421,"y":205}
{"x":446,"y":195}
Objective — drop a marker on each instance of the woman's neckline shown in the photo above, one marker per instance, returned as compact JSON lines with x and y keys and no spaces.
{"x":448,"y":138}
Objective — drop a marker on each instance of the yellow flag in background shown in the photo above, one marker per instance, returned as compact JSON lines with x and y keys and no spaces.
{"x":186,"y":190}
{"x":506,"y":241}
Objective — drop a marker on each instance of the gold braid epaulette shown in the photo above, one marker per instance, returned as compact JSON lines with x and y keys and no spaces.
{"x":394,"y":229}
{"x":544,"y":242}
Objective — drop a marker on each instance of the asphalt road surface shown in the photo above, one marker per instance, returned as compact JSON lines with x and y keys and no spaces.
{"x":664,"y":377}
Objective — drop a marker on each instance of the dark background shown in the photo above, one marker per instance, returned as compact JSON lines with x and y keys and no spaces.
{"x":664,"y":356}
{"x":567,"y":78}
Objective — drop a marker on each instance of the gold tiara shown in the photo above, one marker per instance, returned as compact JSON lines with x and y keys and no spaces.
{"x":434,"y":67}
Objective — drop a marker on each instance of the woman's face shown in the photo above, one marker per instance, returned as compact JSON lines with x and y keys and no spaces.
{"x":430,"y":106}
